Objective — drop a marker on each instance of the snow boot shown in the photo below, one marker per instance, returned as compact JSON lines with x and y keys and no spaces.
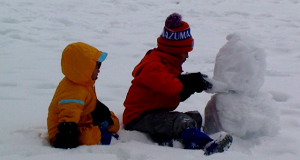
{"x":219,"y":145}
{"x":193,"y":138}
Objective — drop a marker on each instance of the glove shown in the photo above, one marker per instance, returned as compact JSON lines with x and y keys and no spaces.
{"x":192,"y":82}
{"x":67,"y":136}
{"x":195,"y":82}
{"x":101,"y":114}
{"x":186,"y":93}
{"x":105,"y":134}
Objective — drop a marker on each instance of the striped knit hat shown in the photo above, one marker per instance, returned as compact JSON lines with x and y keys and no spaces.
{"x":176,"y":36}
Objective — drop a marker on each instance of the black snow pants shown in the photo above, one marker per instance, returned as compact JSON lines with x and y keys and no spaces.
{"x":164,"y":126}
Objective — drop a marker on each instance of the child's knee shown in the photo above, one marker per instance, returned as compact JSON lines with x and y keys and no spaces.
{"x":89,"y":135}
{"x":183,"y":122}
{"x":196,"y":116}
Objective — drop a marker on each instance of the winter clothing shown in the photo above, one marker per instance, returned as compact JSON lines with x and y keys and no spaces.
{"x":219,"y":145}
{"x":158,"y":88}
{"x":101,"y":114}
{"x":192,"y":82}
{"x":196,"y":116}
{"x":193,"y":138}
{"x":67,"y":136}
{"x":75,"y":96}
{"x":176,"y":37}
{"x":164,"y":126}
{"x":105,"y":134}
{"x":155,"y":86}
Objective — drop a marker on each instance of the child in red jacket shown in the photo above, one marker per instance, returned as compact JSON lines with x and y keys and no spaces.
{"x":158,"y":87}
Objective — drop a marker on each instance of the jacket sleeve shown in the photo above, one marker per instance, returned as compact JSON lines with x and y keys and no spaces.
{"x":156,"y":76}
{"x":71,"y":104}
{"x":70,"y":112}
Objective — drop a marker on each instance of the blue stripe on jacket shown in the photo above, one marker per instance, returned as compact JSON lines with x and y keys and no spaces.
{"x":71,"y":101}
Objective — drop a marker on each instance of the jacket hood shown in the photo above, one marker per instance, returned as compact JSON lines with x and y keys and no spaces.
{"x":78,"y":62}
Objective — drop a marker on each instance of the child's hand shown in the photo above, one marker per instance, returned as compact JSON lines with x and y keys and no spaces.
{"x":194,"y":82}
{"x":101,"y":114}
{"x":67,"y":136}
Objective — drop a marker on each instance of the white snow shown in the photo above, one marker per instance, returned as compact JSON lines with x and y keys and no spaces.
{"x":34,"y":33}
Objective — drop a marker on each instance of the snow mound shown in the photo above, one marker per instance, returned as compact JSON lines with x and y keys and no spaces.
{"x":246,"y":112}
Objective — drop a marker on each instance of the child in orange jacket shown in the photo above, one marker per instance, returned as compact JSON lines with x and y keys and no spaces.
{"x":75,"y":115}
{"x":158,"y":87}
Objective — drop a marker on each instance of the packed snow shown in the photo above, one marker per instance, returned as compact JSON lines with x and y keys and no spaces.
{"x":263,"y":116}
{"x":240,"y":108}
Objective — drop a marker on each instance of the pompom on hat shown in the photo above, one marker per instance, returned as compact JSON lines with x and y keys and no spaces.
{"x":176,"y":37}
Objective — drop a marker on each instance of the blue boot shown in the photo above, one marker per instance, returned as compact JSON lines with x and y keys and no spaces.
{"x":193,"y":138}
{"x":219,"y":145}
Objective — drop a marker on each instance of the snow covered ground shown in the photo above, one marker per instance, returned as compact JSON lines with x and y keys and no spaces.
{"x":34,"y":33}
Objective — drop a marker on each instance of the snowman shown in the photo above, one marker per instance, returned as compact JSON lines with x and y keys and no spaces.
{"x":238,"y":106}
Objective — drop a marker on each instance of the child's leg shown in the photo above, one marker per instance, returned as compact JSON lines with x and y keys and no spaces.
{"x":162,"y":126}
{"x":89,"y":135}
{"x":193,"y":138}
{"x":196,"y":116}
{"x":165,"y":126}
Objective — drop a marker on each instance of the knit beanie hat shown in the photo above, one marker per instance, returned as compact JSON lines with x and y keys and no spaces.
{"x":176,"y":36}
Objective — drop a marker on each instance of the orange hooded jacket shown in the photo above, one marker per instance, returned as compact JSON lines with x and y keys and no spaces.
{"x":154,"y":87}
{"x":75,"y":96}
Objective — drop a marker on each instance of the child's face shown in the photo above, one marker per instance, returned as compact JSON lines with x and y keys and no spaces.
{"x":96,"y":71}
{"x":182,"y":57}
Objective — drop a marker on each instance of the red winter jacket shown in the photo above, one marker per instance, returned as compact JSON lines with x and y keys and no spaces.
{"x":155,"y":86}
